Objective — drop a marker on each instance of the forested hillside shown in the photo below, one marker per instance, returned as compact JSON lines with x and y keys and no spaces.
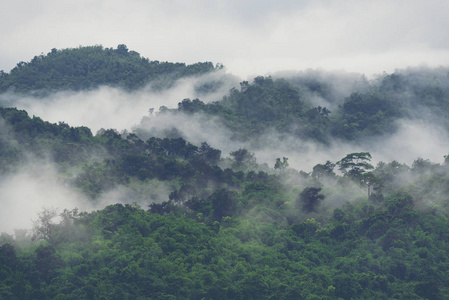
{"x":166,"y":216}
{"x":89,"y":67}
{"x":368,"y":109}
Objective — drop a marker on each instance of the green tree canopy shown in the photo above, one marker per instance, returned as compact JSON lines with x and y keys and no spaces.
{"x":355,"y":164}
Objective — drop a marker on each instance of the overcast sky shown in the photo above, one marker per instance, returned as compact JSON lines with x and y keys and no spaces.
{"x":249,"y":37}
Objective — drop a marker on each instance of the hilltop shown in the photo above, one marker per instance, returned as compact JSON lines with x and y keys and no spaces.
{"x":92,"y":66}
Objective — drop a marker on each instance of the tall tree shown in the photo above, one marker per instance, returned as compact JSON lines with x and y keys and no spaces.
{"x":355,"y":164}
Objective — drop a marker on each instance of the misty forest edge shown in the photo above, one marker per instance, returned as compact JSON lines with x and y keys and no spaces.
{"x":231,"y":228}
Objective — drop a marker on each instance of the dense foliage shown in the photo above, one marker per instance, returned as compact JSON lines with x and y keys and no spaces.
{"x":89,"y":67}
{"x":123,"y":252}
{"x":228,"y":227}
{"x":365,"y":110}
{"x":264,"y":105}
{"x":249,"y":237}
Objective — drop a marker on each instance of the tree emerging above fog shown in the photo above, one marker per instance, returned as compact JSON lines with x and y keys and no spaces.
{"x":89,"y":67}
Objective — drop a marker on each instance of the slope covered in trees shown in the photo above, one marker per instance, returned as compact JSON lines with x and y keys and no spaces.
{"x":124,"y":252}
{"x":225,"y":226}
{"x":317,"y":111}
{"x":227,"y":232}
{"x":89,"y":67}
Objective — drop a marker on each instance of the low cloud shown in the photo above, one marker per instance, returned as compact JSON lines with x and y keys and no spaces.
{"x":195,"y":128}
{"x":38,"y":184}
{"x":140,"y":193}
{"x":32,"y":187}
{"x":414,"y":139}
{"x":108,"y":107}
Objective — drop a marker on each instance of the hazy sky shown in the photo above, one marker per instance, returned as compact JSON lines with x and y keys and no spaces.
{"x":249,"y":37}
